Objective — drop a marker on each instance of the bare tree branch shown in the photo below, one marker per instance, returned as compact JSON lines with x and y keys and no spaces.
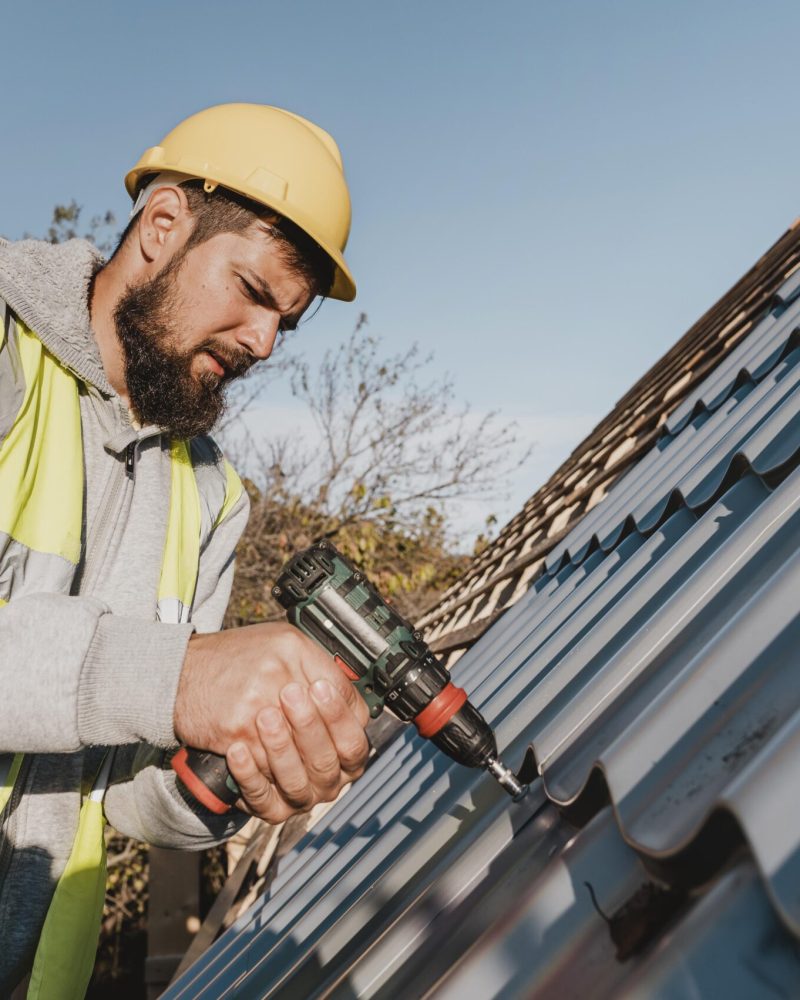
{"x":392,"y":452}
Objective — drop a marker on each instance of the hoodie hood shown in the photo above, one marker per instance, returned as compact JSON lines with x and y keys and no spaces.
{"x":47,"y":286}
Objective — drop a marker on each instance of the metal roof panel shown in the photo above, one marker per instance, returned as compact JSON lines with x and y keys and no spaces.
{"x":652,"y":672}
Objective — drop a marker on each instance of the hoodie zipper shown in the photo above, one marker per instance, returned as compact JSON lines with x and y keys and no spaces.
{"x":122,"y":473}
{"x":130,"y":460}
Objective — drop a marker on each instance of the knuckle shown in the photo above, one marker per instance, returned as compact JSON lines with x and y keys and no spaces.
{"x":331,"y":793}
{"x":298,"y":793}
{"x":349,"y":693}
{"x":258,"y":798}
{"x":302,"y":806}
{"x":327,"y":763}
{"x":354,"y":754}
{"x":273,"y":731}
{"x":274,"y":813}
{"x":240,"y":767}
{"x":355,"y":772}
{"x":290,"y":641}
{"x":258,"y":795}
{"x":249,"y":698}
{"x":303,"y":720}
{"x":335,"y":709}
{"x":351,"y":706}
{"x":326,"y":777}
{"x":278,"y":743}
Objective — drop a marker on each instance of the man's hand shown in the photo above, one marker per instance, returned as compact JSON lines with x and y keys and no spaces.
{"x":276,"y":705}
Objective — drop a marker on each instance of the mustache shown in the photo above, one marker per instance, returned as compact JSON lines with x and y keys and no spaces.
{"x":236,"y":363}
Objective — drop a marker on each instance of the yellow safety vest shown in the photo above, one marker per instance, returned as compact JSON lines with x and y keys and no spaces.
{"x":41,"y":506}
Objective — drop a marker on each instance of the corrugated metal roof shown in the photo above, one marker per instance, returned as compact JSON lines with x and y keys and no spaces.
{"x":652,"y":669}
{"x":764,"y":303}
{"x":554,"y":942}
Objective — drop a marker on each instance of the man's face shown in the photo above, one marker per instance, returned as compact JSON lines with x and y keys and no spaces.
{"x":202,"y":321}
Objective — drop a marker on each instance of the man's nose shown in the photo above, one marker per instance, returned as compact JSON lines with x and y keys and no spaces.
{"x":258,"y":336}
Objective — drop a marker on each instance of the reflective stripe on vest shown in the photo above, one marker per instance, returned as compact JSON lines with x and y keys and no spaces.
{"x":41,"y":469}
{"x":41,"y":508}
{"x":182,"y":549}
{"x":64,"y":958}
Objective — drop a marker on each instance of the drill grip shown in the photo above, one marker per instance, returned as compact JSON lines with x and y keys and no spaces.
{"x":207,"y":777}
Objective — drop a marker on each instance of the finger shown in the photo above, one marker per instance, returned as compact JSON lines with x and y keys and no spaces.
{"x":352,"y":697}
{"x":312,"y":739}
{"x":288,"y":770}
{"x":258,"y":753}
{"x":322,"y":666}
{"x":258,"y":793}
{"x":345,"y":729}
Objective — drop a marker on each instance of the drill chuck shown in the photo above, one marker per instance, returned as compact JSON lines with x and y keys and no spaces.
{"x":466,"y":737}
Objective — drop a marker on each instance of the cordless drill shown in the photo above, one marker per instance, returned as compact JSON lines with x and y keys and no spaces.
{"x":332,"y":602}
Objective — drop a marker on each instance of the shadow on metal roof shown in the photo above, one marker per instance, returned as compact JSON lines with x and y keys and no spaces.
{"x":653,"y":670}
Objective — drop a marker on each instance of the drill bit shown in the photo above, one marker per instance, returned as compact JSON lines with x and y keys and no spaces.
{"x":506,"y":779}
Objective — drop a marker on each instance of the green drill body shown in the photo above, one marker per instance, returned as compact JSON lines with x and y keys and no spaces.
{"x":332,"y":602}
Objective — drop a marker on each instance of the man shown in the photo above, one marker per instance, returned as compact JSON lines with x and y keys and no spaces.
{"x":119,"y":519}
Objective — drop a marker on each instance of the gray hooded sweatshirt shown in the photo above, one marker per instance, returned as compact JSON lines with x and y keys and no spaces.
{"x":94,"y":669}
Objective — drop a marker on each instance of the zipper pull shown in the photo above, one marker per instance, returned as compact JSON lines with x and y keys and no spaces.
{"x":130,"y":460}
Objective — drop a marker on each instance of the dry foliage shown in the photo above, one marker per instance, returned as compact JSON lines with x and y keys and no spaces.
{"x":391,"y":451}
{"x":123,"y":932}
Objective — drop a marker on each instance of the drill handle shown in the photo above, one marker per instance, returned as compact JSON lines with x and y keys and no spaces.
{"x":207,"y":777}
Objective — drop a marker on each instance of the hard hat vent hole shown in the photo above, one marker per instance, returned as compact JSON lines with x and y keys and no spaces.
{"x":210,"y":186}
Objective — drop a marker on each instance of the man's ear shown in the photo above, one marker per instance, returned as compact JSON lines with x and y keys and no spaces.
{"x":164,"y":224}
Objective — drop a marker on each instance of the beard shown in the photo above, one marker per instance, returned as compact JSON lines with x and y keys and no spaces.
{"x":161,"y":386}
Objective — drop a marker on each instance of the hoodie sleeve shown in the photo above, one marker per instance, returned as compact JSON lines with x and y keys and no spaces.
{"x":51,"y":702}
{"x":109,"y":680}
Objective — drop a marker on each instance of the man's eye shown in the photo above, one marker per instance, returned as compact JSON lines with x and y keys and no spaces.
{"x":249,"y":290}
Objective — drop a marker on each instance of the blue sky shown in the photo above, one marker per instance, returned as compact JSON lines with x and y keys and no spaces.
{"x":545,"y":194}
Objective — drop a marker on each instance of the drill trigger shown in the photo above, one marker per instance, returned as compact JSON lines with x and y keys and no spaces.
{"x":346,"y":669}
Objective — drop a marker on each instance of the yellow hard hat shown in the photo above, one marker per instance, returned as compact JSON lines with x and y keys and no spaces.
{"x":273,"y":157}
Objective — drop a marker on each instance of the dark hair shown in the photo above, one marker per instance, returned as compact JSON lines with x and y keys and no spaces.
{"x":225,"y":211}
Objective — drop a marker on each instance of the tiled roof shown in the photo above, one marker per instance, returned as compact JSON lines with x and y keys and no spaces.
{"x":649,"y":671}
{"x":500,"y":576}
